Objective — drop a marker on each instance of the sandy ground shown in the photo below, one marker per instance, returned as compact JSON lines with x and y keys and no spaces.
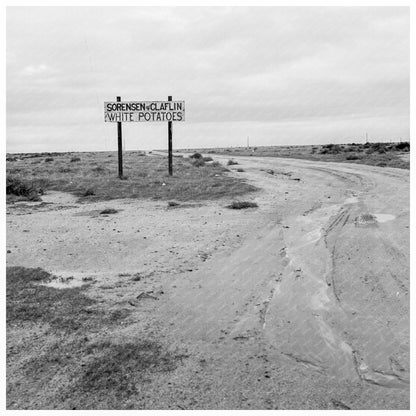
{"x":300,"y":303}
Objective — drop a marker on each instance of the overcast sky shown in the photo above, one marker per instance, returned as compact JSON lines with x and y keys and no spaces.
{"x":278,"y":75}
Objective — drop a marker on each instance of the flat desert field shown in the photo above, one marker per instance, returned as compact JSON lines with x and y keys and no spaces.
{"x":243,"y":281}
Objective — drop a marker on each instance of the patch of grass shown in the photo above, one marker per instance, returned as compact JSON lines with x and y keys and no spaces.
{"x":231,"y":162}
{"x":99,"y":169}
{"x":67,"y":357}
{"x":242,"y":205}
{"x":137,"y":277}
{"x":207,"y":159}
{"x":375,"y":154}
{"x":68,"y":318}
{"x":198,"y":163}
{"x":98,"y":375}
{"x":145,"y":178}
{"x":330,"y":149}
{"x":353,"y":156}
{"x":109,"y":211}
{"x":88,"y":192}
{"x":17,"y":187}
{"x":402,"y":146}
{"x":28,"y":300}
{"x":119,"y":368}
{"x":140,"y":276}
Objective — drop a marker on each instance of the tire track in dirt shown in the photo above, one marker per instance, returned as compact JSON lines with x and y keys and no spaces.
{"x":362,"y":185}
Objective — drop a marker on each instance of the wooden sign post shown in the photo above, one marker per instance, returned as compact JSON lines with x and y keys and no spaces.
{"x":170,"y":161}
{"x":120,"y":147}
{"x":142,"y":111}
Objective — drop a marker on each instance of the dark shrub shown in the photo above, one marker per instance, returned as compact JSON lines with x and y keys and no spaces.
{"x":109,"y":211}
{"x":19,"y":187}
{"x":232,"y":162}
{"x":242,"y":205}
{"x":403,"y":146}
{"x":198,"y":163}
{"x":331,"y":148}
{"x":77,"y":159}
{"x":49,"y":159}
{"x":88,"y":192}
{"x":196,"y":156}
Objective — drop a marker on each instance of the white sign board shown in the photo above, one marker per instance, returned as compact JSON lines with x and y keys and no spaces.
{"x":126,"y":111}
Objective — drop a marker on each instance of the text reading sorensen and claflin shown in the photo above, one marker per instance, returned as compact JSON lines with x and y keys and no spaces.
{"x":145,"y":111}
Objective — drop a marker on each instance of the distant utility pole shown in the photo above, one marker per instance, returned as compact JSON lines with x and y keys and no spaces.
{"x":248,"y":142}
{"x":366,"y":137}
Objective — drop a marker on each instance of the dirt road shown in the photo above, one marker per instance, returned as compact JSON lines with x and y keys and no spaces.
{"x":300,"y":303}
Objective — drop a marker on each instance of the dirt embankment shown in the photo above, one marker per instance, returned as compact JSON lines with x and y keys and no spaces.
{"x":300,"y":303}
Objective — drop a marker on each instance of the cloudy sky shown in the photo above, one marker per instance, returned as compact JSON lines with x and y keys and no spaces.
{"x":279,"y":75}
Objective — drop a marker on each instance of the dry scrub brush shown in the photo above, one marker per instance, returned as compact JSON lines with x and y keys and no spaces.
{"x":95,"y":177}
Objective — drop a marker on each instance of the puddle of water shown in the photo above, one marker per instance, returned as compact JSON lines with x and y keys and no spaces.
{"x":327,"y":334}
{"x":366,"y":220}
{"x":64,"y":284}
{"x":313,"y":235}
{"x":320,"y":299}
{"x":384,"y":217}
{"x":307,"y":239}
{"x":67,"y":280}
{"x":351,"y":200}
{"x":28,"y":203}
